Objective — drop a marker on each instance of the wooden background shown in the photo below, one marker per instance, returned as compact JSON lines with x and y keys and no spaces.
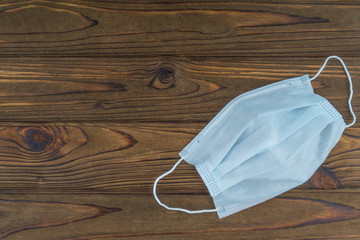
{"x":98,"y":97}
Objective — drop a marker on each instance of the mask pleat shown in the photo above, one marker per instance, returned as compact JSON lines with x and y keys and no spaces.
{"x":255,"y":139}
{"x":299,"y":168}
{"x":223,"y":136}
{"x":278,"y":156}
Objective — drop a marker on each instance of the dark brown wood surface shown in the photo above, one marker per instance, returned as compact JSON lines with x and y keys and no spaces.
{"x":186,"y":28}
{"x":125,"y":158}
{"x":97,"y":98}
{"x":295,"y":215}
{"x":160,"y":89}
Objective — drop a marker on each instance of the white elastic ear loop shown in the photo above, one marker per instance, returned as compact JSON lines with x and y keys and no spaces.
{"x":350,"y":83}
{"x":176,"y":209}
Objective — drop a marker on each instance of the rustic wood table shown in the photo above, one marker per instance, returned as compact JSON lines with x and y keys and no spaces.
{"x":98,"y":97}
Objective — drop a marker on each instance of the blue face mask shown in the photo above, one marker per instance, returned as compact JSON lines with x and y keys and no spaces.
{"x":263,"y":143}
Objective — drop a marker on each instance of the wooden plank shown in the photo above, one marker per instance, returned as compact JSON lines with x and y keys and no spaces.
{"x":127,"y":158}
{"x":197,"y":28}
{"x":98,"y":97}
{"x":294,"y":215}
{"x":157,"y":89}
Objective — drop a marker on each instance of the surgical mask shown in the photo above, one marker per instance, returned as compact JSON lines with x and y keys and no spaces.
{"x":263,"y":143}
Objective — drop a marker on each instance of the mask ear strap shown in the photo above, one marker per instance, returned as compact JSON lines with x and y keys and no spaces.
{"x":350,"y":83}
{"x":171,"y":208}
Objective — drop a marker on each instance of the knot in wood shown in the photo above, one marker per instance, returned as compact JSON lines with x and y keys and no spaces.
{"x":37,"y":139}
{"x":100,"y":105}
{"x":164,"y":77}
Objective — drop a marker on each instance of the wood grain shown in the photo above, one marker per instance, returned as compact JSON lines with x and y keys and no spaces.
{"x":158,"y":89}
{"x":197,"y":28}
{"x":305,"y":215}
{"x":40,"y":214}
{"x":127,"y":157}
{"x":98,"y":97}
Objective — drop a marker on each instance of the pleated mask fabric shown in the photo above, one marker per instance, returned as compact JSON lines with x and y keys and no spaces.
{"x":264,"y":143}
